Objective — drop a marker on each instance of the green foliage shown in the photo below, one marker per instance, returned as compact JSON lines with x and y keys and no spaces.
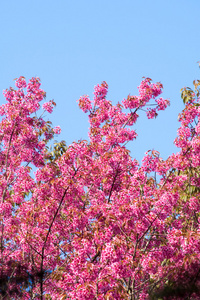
{"x":187,"y":94}
{"x":58,"y":149}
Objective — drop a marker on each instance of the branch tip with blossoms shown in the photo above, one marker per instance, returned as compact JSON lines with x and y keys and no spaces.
{"x":57,"y":130}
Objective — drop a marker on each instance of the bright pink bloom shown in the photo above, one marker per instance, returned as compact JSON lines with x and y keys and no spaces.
{"x":20,"y":82}
{"x":85,"y":103}
{"x":48,"y":107}
{"x":57,"y":130}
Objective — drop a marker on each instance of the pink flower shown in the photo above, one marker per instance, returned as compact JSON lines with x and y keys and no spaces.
{"x":85,"y":103}
{"x":100,"y":92}
{"x":48,"y":106}
{"x":162,"y":103}
{"x":20,"y":82}
{"x":57,"y":130}
{"x":151,"y":113}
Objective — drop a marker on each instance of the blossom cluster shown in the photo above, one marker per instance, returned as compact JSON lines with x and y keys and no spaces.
{"x":48,"y":107}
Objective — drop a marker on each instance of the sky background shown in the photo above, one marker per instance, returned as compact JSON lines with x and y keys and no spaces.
{"x":74,"y":45}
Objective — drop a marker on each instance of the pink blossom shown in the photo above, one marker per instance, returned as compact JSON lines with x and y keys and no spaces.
{"x":100,"y":92}
{"x":20,"y":82}
{"x":57,"y":129}
{"x":162,"y":103}
{"x":48,"y":107}
{"x":85,"y":103}
{"x":151,"y":113}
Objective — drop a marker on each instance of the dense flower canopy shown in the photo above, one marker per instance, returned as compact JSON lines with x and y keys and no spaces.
{"x":91,"y":223}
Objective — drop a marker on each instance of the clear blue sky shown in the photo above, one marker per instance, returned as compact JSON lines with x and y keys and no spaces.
{"x":73,"y":45}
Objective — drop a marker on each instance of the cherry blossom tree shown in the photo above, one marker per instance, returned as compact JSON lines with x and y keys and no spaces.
{"x":91,"y":223}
